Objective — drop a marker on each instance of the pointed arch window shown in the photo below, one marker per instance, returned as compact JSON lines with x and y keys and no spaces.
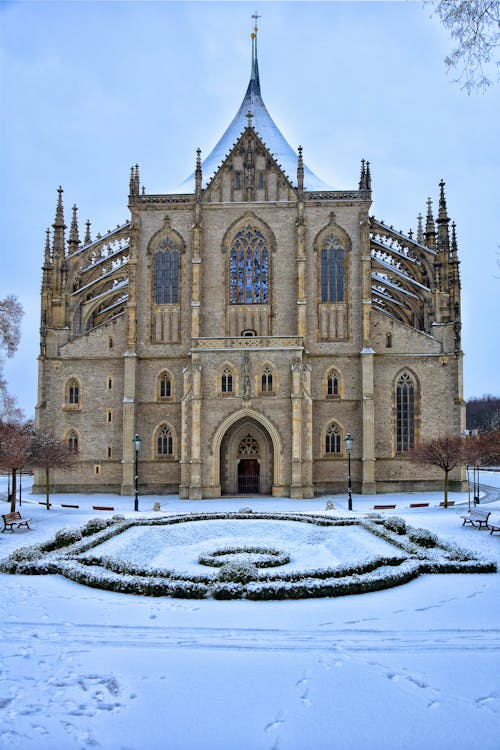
{"x":332,"y":270}
{"x":267,"y":380}
{"x":333,"y":440}
{"x":167,"y":273}
{"x":332,"y":384}
{"x":249,"y":268}
{"x":164,"y":387}
{"x":226,"y":383}
{"x":72,"y":442}
{"x":73,"y":394}
{"x":164,"y":442}
{"x":405,"y":413}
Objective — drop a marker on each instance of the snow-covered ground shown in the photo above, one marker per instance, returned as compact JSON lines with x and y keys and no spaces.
{"x":413,"y":667}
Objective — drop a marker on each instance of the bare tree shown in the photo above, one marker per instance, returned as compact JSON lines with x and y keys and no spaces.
{"x":14,"y":452}
{"x":444,"y":452}
{"x":11,"y":313}
{"x":48,"y":452}
{"x":474,"y":25}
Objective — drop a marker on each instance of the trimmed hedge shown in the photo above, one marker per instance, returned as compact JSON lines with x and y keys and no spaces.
{"x":68,"y":555}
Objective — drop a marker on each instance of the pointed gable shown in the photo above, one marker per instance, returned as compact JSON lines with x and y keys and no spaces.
{"x":249,"y":172}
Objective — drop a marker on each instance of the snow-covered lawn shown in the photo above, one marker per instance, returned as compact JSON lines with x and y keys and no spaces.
{"x":414,"y":667}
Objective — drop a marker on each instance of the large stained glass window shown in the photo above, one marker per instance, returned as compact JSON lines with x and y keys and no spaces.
{"x":167,"y":273}
{"x":164,"y":442}
{"x":332,"y":270}
{"x":249,"y":268}
{"x":405,"y":414}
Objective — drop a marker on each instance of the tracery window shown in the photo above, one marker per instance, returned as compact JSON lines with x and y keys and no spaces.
{"x":249,"y":268}
{"x":226,"y":383}
{"x":72,"y":441}
{"x":72,"y":394}
{"x":332,"y":270}
{"x":164,"y":442}
{"x":248,"y":446}
{"x":405,"y":413}
{"x":167,"y":273}
{"x":164,"y":386}
{"x":333,"y":439}
{"x":332,"y":384}
{"x":267,"y":380}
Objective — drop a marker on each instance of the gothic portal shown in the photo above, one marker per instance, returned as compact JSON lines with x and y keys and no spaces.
{"x":244,"y":325}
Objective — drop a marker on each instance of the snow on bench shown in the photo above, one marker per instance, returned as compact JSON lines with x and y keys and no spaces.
{"x":478,"y":518}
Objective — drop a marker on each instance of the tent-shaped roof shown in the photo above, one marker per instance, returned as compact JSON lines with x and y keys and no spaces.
{"x":269,"y":133}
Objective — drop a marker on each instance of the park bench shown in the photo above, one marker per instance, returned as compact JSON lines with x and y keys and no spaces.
{"x":494,"y":527}
{"x":419,"y":505}
{"x":384,"y":507}
{"x":102,"y":507}
{"x":449,"y":504}
{"x":14,"y":519}
{"x":478,"y":518}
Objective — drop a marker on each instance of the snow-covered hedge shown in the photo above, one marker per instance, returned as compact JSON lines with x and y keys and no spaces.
{"x":243,"y":577}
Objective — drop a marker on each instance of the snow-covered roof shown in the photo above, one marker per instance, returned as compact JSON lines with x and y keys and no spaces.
{"x":268,"y":131}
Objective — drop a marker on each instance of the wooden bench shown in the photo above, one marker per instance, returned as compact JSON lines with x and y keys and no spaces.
{"x":67,"y":505}
{"x":14,"y":519}
{"x":419,"y":505}
{"x":478,"y":518}
{"x":448,"y":504}
{"x":102,"y":507}
{"x":384,"y":507}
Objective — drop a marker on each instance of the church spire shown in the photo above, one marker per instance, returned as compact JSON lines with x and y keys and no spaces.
{"x":87,"y":239}
{"x":420,"y":229}
{"x":254,"y":73}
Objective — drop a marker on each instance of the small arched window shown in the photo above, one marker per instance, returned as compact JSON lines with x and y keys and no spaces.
{"x":332,"y":384}
{"x":249,"y":268}
{"x":388,"y":341}
{"x":72,"y":442}
{"x":405,"y":413}
{"x":167,"y":273}
{"x":73,"y":394}
{"x":164,"y":442}
{"x":226,"y":384}
{"x":333,"y":440}
{"x":332,"y":270}
{"x":164,"y":386}
{"x":267,"y":380}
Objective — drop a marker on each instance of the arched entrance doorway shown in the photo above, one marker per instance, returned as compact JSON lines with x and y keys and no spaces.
{"x":246,"y":459}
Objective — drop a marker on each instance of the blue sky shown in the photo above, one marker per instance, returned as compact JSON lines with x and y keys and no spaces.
{"x":90,"y":88}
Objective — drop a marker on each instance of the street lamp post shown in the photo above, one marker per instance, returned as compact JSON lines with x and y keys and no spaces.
{"x":348,"y":444}
{"x":137,"y":446}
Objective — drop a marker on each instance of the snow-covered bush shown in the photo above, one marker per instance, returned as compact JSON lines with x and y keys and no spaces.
{"x":396,"y":524}
{"x":423,"y":537}
{"x":94,"y":525}
{"x":233,"y":572}
{"x":65,"y":537}
{"x":260,"y":557}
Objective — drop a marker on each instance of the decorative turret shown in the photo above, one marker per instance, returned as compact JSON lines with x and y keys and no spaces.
{"x":365,"y":179}
{"x":88,"y":238}
{"x":442,"y":221}
{"x":300,"y":173}
{"x":420,"y":229}
{"x":47,"y":263}
{"x":73,"y":239}
{"x":59,"y":228}
{"x":134,"y":182}
{"x":198,"y":175}
{"x":430,"y":227}
{"x":453,"y":262}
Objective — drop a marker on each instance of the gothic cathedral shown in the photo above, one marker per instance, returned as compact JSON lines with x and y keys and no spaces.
{"x":244,"y":326}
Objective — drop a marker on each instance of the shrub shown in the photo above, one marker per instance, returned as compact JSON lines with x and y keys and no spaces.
{"x":65,"y":537}
{"x":396,"y":524}
{"x":238,"y":573}
{"x":423,"y":538}
{"x":94,"y":525}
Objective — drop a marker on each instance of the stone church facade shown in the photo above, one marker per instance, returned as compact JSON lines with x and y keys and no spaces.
{"x":243,"y":326}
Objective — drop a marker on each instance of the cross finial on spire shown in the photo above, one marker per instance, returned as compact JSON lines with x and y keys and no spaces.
{"x":249,"y":116}
{"x":255,"y":17}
